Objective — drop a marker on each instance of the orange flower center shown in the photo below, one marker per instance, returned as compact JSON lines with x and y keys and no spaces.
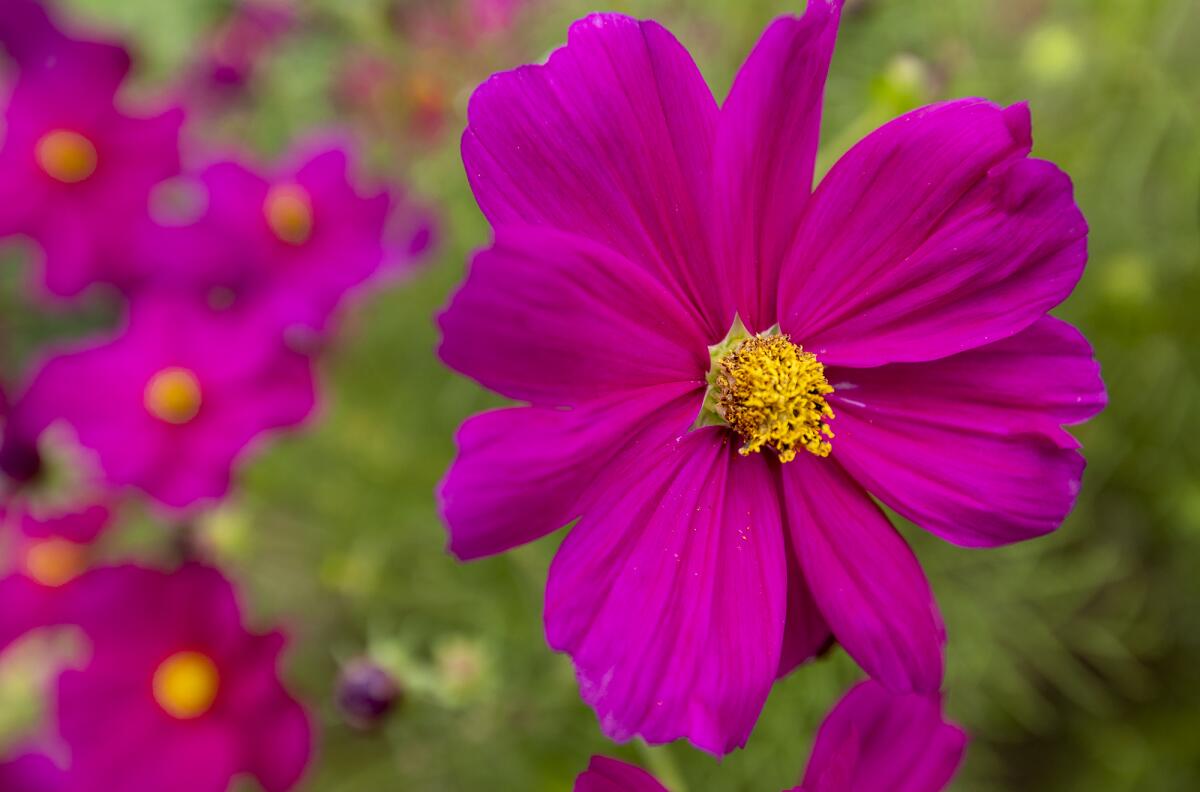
{"x":289,"y":213}
{"x":55,"y":562}
{"x":186,"y":685}
{"x":66,"y":156}
{"x":173,"y":395}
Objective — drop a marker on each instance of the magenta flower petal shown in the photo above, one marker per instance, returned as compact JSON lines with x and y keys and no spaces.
{"x":556,"y":319}
{"x":866,"y":581}
{"x":26,"y":606}
{"x":27,"y":32}
{"x":872,"y":740}
{"x":521,"y":472}
{"x":670,"y":594}
{"x":806,"y":633}
{"x":610,"y":775}
{"x":33,"y":772}
{"x":284,"y":747}
{"x":81,"y":522}
{"x":204,"y":763}
{"x":612,"y":140}
{"x":970,"y":446}
{"x":766,"y":150}
{"x":875,"y":740}
{"x":933,"y":235}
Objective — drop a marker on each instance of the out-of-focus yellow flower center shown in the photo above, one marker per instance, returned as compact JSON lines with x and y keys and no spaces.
{"x":55,"y":562}
{"x":173,"y":395}
{"x":66,"y":156}
{"x":771,"y":392}
{"x":289,"y":213}
{"x":186,"y":684}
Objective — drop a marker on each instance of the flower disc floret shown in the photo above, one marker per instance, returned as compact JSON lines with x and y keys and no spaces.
{"x":289,"y":213}
{"x":772,"y":393}
{"x":186,"y":684}
{"x":54,"y":562}
{"x":66,"y":156}
{"x":173,"y":395}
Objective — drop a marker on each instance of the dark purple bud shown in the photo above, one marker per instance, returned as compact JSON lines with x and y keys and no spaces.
{"x":366,"y":693}
{"x":20,"y":460}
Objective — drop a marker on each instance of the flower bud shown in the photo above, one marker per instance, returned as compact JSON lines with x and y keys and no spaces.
{"x":366,"y":693}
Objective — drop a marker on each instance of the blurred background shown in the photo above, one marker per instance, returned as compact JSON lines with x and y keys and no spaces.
{"x":1074,"y":661}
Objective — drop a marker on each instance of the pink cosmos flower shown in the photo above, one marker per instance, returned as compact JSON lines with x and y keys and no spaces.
{"x":287,"y":245}
{"x":873,"y":740}
{"x":173,"y":402}
{"x":177,"y":694}
{"x":720,"y":364}
{"x":77,"y":169}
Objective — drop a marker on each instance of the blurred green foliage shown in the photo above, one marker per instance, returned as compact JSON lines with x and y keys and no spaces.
{"x":1074,"y":660}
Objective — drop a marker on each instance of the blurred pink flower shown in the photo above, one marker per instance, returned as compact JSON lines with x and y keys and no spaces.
{"x":174,"y":401}
{"x":489,"y":17}
{"x":690,"y":324}
{"x":233,"y":53}
{"x":872,"y":741}
{"x":467,"y":22}
{"x":77,"y":169}
{"x":43,"y":553}
{"x":286,"y":244}
{"x":177,"y":694}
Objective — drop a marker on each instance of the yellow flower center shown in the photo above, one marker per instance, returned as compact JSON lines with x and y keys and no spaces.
{"x":173,"y":395}
{"x":289,"y":213}
{"x":186,"y":684}
{"x":771,"y":392}
{"x":66,"y":156}
{"x":55,"y":562}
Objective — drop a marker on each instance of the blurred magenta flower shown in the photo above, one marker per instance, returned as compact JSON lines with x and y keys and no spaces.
{"x":658,"y":263}
{"x":175,"y":400}
{"x":177,"y":694}
{"x":77,"y":169}
{"x":52,"y":549}
{"x":43,"y":552}
{"x":234,"y":52}
{"x":873,"y":740}
{"x":286,"y":245}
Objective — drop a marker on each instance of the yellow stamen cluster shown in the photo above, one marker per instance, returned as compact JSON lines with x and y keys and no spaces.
{"x":66,"y":156}
{"x":289,"y":213}
{"x":186,"y":684}
{"x":173,"y":395}
{"x":772,"y":393}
